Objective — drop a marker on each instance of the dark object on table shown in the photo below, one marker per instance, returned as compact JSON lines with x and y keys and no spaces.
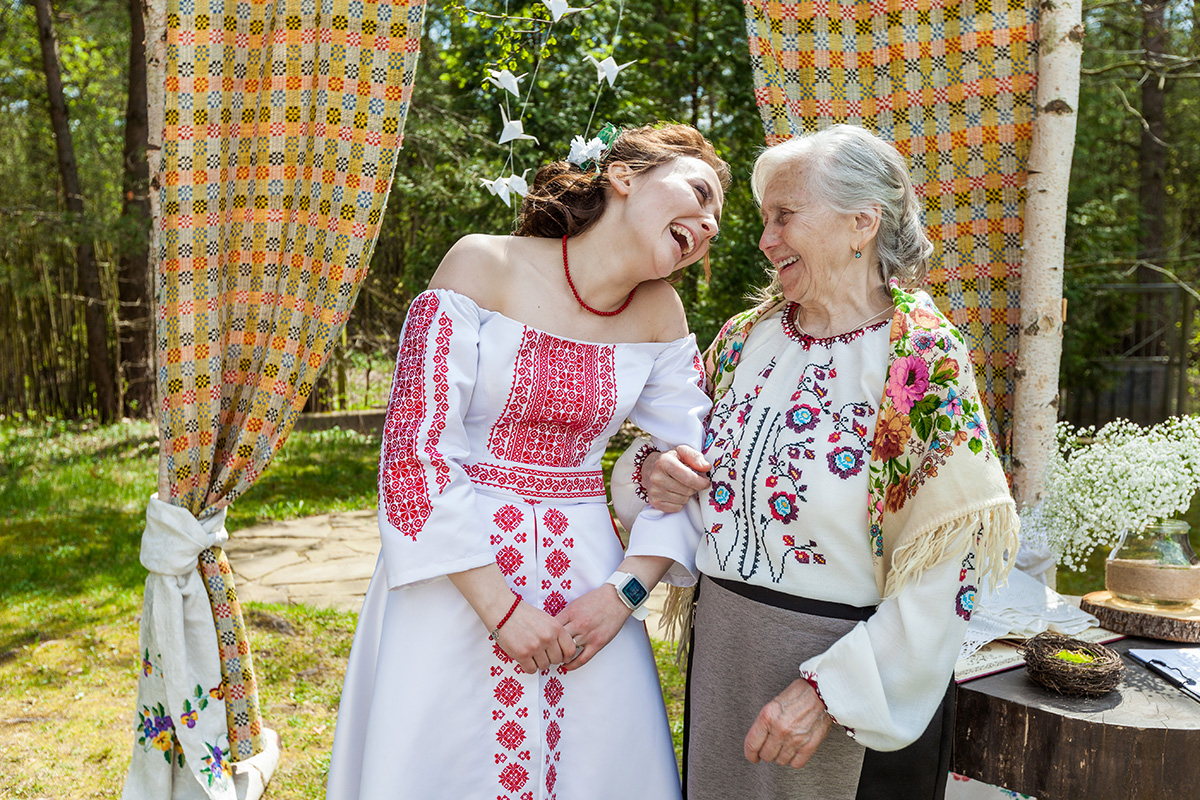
{"x":1071,"y":666}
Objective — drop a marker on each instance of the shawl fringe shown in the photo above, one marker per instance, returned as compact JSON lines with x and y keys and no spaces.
{"x":679,"y":609}
{"x":991,"y":532}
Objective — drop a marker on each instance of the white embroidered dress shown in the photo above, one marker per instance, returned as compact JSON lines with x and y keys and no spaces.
{"x":790,"y":444}
{"x":491,"y":453}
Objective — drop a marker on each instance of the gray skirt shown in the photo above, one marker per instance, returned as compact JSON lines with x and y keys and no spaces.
{"x":744,"y":652}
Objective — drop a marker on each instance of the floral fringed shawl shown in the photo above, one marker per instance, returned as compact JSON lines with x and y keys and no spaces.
{"x":937,"y":488}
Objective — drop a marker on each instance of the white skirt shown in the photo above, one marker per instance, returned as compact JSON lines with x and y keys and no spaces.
{"x":432,"y":708}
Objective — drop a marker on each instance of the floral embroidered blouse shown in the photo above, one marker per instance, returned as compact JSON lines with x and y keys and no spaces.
{"x":790,"y":443}
{"x":858,"y":470}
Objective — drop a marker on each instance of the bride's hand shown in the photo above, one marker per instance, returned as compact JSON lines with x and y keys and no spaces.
{"x":534,"y":639}
{"x":592,"y":620}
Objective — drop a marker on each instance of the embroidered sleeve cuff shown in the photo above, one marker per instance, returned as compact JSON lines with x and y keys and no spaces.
{"x":639,"y":459}
{"x":811,"y":677}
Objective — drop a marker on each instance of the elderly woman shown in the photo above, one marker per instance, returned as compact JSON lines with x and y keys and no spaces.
{"x":853,"y":497}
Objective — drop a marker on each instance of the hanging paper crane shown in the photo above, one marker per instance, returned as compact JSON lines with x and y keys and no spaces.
{"x":502,"y":187}
{"x":608,"y":69}
{"x":559,"y":9}
{"x":506,"y":80}
{"x":513,"y":129}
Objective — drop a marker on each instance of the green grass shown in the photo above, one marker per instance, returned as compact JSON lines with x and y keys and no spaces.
{"x":72,"y":505}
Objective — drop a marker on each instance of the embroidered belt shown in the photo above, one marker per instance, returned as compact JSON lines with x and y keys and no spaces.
{"x":538,"y":483}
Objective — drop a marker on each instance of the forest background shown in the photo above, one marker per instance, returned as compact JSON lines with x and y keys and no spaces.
{"x":75,"y":282}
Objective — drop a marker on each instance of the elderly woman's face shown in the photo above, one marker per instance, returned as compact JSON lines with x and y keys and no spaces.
{"x":808,"y":242}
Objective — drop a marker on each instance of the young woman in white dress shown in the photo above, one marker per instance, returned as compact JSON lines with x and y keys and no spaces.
{"x":499,"y":652}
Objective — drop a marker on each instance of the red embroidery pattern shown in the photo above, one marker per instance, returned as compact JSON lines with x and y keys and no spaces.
{"x":515,"y":693}
{"x":562,"y":398}
{"x":555,"y":603}
{"x":537,"y":483}
{"x":513,"y":777}
{"x":508,"y":518}
{"x":796,"y":335}
{"x":402,"y":480}
{"x":701,"y":378}
{"x":441,"y":391}
{"x":553,"y":692}
{"x":509,"y":559}
{"x":558,"y":565}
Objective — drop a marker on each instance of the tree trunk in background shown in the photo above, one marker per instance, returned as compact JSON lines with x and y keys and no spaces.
{"x":133,"y":277}
{"x":89,"y":277}
{"x":1152,"y":151}
{"x":1039,"y":353}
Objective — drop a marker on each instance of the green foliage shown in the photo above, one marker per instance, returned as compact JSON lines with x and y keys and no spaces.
{"x":1103,"y":210}
{"x":692,"y":66}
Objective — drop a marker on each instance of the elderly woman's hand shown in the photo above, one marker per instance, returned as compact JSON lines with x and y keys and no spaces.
{"x":672,"y":478}
{"x":789,"y":728}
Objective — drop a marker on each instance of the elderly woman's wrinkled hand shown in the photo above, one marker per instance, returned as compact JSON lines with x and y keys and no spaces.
{"x":672,"y":478}
{"x":789,"y":729}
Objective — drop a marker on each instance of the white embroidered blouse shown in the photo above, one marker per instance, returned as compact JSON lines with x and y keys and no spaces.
{"x":790,"y":445}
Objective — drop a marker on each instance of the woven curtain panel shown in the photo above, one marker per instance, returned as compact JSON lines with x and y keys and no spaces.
{"x":282,"y":125}
{"x":951,"y":84}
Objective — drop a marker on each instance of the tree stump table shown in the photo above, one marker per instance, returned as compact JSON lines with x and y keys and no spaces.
{"x":1139,"y":742}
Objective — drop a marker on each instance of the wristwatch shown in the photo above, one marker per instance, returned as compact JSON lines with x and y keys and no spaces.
{"x":632,"y":593}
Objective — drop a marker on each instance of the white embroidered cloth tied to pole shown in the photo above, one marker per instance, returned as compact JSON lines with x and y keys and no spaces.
{"x":180,"y":704}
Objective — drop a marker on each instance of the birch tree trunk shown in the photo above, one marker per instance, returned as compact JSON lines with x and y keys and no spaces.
{"x":1040,"y":345}
{"x":99,"y":366}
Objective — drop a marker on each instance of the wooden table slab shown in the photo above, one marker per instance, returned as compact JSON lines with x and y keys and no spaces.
{"x":1140,"y":742}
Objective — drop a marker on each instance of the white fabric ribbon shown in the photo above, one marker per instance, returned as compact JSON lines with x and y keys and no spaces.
{"x":180,"y":666}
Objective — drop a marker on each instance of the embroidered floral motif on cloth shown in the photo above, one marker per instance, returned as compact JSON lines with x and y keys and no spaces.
{"x":858,"y":470}
{"x":936,"y":488}
{"x":495,"y":432}
{"x":282,"y":124}
{"x":951,"y":84}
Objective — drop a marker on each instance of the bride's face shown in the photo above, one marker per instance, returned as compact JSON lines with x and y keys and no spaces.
{"x":673,"y":212}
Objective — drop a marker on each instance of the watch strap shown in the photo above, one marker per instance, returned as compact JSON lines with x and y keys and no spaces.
{"x":620,"y":580}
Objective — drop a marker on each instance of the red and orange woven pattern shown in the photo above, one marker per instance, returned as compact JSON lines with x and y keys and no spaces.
{"x":951,"y":84}
{"x":282,"y":125}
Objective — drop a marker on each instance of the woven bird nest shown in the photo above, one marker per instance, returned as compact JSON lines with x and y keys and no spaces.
{"x":1072,"y":667}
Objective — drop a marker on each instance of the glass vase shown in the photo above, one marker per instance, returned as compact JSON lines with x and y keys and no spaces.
{"x":1155,"y":567}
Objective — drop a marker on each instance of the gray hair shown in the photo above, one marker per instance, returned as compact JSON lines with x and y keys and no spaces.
{"x":853,"y":171}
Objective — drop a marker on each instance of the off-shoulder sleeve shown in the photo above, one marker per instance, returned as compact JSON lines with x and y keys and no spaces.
{"x":671,"y":409}
{"x":883,"y":680}
{"x":428,"y":519}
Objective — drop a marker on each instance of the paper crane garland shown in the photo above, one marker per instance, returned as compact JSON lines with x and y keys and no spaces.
{"x":501,"y":187}
{"x":513,"y":129}
{"x":559,"y":9}
{"x":507,"y":81}
{"x":608,"y":69}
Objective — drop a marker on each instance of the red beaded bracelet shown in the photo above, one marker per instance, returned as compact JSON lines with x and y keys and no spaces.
{"x":511,"y":609}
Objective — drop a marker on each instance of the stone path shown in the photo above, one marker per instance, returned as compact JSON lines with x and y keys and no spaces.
{"x":323,"y":561}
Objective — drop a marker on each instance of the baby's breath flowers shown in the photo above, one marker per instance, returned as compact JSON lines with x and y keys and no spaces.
{"x":1101,"y":484}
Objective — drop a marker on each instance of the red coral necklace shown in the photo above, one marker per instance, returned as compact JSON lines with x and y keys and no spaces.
{"x":574,"y":291}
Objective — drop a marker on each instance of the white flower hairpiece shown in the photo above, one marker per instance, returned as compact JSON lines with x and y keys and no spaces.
{"x":582,"y":152}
